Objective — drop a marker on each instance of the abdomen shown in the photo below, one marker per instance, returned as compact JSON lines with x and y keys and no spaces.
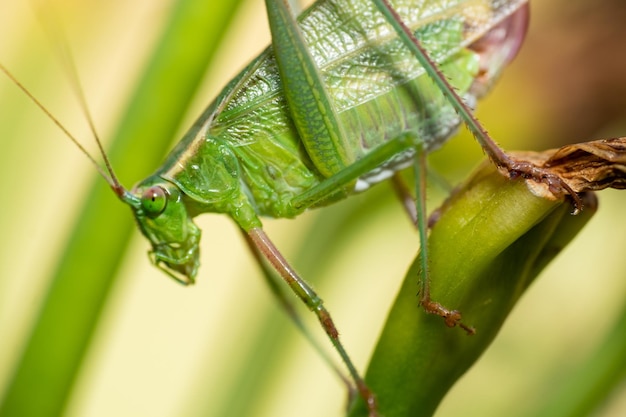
{"x":378,"y":89}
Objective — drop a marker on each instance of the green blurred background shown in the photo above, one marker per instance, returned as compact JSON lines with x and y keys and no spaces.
{"x":223,"y":347}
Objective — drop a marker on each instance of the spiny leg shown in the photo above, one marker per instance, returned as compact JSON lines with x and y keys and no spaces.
{"x":275,"y":287}
{"x":374,"y":159}
{"x":514,"y":168}
{"x":323,"y":137}
{"x":406,"y":198}
{"x":451,"y":317}
{"x":329,"y":186}
{"x":304,"y":291}
{"x":415,"y":207}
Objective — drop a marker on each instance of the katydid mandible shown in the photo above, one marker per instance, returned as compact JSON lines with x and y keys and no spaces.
{"x":336,"y":105}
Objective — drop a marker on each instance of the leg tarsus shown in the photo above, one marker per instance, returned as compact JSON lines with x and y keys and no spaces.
{"x":406,"y":198}
{"x":452,"y":318}
{"x":528,"y":170}
{"x":370,"y":399}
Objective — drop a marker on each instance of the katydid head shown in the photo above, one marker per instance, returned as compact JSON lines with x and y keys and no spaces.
{"x":163,"y":219}
{"x":156,"y":203}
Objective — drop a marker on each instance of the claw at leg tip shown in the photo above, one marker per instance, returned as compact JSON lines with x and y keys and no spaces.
{"x":578,"y":204}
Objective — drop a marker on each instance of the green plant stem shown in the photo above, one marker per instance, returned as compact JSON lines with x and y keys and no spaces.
{"x":489,"y":244}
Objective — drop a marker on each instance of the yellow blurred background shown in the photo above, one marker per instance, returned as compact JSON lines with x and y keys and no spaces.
{"x":163,"y":350}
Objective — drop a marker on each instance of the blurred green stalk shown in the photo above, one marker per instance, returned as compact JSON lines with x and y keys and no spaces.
{"x":44,"y":377}
{"x":584,"y":390}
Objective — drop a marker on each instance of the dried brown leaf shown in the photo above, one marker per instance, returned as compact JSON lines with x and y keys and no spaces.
{"x":588,"y":166}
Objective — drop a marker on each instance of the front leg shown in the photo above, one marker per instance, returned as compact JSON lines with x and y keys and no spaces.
{"x":322,"y":135}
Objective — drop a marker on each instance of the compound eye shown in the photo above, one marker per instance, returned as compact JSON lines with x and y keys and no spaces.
{"x":154,"y":200}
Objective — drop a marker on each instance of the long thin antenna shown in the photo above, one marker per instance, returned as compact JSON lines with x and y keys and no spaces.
{"x":102,"y":172}
{"x":60,"y":43}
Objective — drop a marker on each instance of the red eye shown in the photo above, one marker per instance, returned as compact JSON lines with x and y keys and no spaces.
{"x":154,"y":200}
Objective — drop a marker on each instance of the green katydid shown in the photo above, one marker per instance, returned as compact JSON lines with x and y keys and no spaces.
{"x":256,"y":152}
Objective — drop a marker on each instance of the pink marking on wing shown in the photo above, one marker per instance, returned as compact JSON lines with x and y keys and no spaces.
{"x":499,"y":46}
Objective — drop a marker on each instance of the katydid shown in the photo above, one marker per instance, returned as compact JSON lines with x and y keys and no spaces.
{"x":337,"y":104}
